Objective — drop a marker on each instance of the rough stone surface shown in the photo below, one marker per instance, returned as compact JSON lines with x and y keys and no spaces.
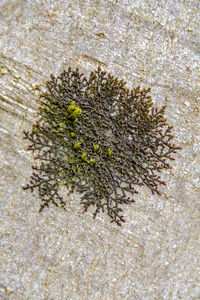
{"x":68,"y":255}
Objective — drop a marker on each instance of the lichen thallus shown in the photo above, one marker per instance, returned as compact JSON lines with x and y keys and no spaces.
{"x":97,"y":137}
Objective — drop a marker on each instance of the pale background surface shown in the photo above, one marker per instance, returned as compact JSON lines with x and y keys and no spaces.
{"x":68,"y":255}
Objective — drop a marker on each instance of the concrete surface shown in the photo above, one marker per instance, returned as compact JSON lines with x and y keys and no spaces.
{"x":68,"y":255}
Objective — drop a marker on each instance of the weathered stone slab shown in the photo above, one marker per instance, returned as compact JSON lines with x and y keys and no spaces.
{"x":68,"y":255}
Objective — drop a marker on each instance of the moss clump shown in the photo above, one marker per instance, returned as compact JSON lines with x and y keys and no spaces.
{"x":99,"y":138}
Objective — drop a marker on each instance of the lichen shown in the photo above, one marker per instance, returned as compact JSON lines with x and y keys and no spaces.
{"x":100,"y":139}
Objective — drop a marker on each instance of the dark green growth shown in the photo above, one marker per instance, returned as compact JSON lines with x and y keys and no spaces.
{"x":100,"y":139}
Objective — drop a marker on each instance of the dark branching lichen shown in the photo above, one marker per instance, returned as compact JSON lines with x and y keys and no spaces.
{"x":100,"y":139}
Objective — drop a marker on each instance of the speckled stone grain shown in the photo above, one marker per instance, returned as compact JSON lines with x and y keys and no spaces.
{"x":61,"y":254}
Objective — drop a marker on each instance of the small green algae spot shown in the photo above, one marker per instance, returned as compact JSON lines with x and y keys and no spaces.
{"x":77,"y":145}
{"x":96,"y":147}
{"x":73,"y":110}
{"x":92,"y":161}
{"x":84,"y":157}
{"x":109,"y":151}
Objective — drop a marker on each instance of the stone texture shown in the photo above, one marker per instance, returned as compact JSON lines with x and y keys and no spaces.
{"x":68,"y":255}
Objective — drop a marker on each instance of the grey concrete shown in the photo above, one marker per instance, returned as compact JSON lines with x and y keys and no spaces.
{"x":68,"y":255}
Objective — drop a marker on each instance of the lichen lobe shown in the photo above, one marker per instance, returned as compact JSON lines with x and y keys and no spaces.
{"x":100,"y":139}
